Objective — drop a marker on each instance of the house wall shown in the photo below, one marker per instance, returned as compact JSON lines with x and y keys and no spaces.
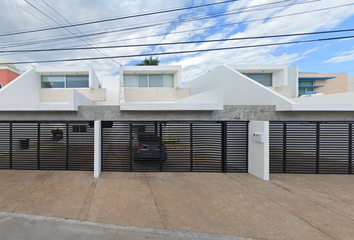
{"x":293,"y":81}
{"x":155,"y":94}
{"x":230,"y":113}
{"x":283,"y":90}
{"x":111,"y":86}
{"x":62,"y":95}
{"x":238,"y":89}
{"x":25,"y":85}
{"x":280,"y":78}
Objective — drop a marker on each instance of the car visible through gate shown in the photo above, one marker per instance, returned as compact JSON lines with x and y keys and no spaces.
{"x":148,"y":146}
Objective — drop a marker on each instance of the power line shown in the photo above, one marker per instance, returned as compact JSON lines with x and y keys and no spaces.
{"x":189,"y":51}
{"x":98,"y":50}
{"x":150,"y":25}
{"x":116,"y":18}
{"x":145,"y":26}
{"x":177,"y":43}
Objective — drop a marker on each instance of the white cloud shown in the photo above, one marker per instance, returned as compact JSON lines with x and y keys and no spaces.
{"x":343,"y":57}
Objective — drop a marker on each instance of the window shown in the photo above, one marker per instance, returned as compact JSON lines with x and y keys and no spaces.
{"x":262,"y":78}
{"x":81,"y":128}
{"x":148,"y":80}
{"x":64,"y":81}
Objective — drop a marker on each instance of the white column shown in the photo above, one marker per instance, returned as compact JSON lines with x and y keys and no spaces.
{"x":258,"y":157}
{"x":97,"y":154}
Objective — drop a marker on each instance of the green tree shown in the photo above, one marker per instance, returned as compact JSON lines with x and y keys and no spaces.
{"x":149,"y":61}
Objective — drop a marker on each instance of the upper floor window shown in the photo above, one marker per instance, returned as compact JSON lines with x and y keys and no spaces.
{"x":65,"y":81}
{"x":262,"y":78}
{"x":148,"y":80}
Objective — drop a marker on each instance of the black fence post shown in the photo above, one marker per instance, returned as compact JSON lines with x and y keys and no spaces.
{"x":160,"y":139}
{"x":10,"y":146}
{"x":224,"y":147}
{"x":191,"y":146}
{"x":318,"y":147}
{"x":67,"y":146}
{"x":350,"y":146}
{"x":247,"y":144}
{"x":284,"y":147}
{"x":131,"y":147}
{"x":38,"y":146}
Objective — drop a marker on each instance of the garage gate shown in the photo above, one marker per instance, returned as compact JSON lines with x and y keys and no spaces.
{"x":47,"y":145}
{"x":311,"y":147}
{"x":183,"y":146}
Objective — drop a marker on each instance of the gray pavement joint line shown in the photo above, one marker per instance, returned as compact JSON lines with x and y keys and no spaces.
{"x":93,"y":193}
{"x":32,"y":192}
{"x":191,"y":235}
{"x":311,"y":200}
{"x":158,"y":210}
{"x":93,"y":184}
{"x":310,"y":224}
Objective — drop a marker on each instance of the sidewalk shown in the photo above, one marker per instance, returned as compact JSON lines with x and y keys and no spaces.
{"x":287,"y":207}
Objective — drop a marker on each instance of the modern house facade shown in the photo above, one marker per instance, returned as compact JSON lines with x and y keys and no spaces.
{"x":222,"y":121}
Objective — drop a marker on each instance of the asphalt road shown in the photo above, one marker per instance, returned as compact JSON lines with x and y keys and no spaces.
{"x":30,"y":227}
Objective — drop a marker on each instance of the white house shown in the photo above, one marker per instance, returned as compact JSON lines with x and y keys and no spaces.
{"x":201,"y":119}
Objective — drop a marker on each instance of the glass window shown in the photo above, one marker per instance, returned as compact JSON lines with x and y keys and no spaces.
{"x":77,"y":82}
{"x":130,"y":81}
{"x":306,"y":83}
{"x":53,"y":81}
{"x":262,"y":78}
{"x":155,"y":80}
{"x":168,"y":80}
{"x":142,"y":81}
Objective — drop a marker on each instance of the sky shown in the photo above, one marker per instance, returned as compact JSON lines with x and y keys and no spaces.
{"x":219,"y":20}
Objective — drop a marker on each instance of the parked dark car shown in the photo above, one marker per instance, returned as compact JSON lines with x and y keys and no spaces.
{"x":148,"y":146}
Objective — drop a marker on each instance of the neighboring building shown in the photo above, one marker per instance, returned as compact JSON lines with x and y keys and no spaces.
{"x":326,"y":83}
{"x":8,"y":72}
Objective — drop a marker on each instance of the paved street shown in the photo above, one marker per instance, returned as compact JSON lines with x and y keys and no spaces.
{"x":29,"y":227}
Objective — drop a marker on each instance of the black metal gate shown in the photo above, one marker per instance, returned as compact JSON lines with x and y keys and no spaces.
{"x":175,"y":146}
{"x":47,"y":145}
{"x":311,"y":147}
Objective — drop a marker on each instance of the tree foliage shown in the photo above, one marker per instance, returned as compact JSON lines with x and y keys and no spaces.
{"x":149,"y":61}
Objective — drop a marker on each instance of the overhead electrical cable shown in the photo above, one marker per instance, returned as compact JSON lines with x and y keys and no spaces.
{"x":177,"y":43}
{"x":127,"y":29}
{"x":116,"y":18}
{"x":188,"y":51}
{"x":82,"y":38}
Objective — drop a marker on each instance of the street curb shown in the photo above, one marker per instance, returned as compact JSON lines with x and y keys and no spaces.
{"x":191,"y":235}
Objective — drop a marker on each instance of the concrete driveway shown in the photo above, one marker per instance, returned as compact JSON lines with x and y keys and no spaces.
{"x":287,"y":207}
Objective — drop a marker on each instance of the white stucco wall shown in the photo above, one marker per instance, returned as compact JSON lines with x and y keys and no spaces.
{"x":258,"y":159}
{"x":94,"y":82}
{"x":111,"y":84}
{"x":293,"y":81}
{"x":155,"y":94}
{"x":22,"y":90}
{"x":238,"y":89}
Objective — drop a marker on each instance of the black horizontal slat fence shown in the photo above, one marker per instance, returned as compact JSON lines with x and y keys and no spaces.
{"x":197,"y":146}
{"x":311,"y":147}
{"x":47,"y":145}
